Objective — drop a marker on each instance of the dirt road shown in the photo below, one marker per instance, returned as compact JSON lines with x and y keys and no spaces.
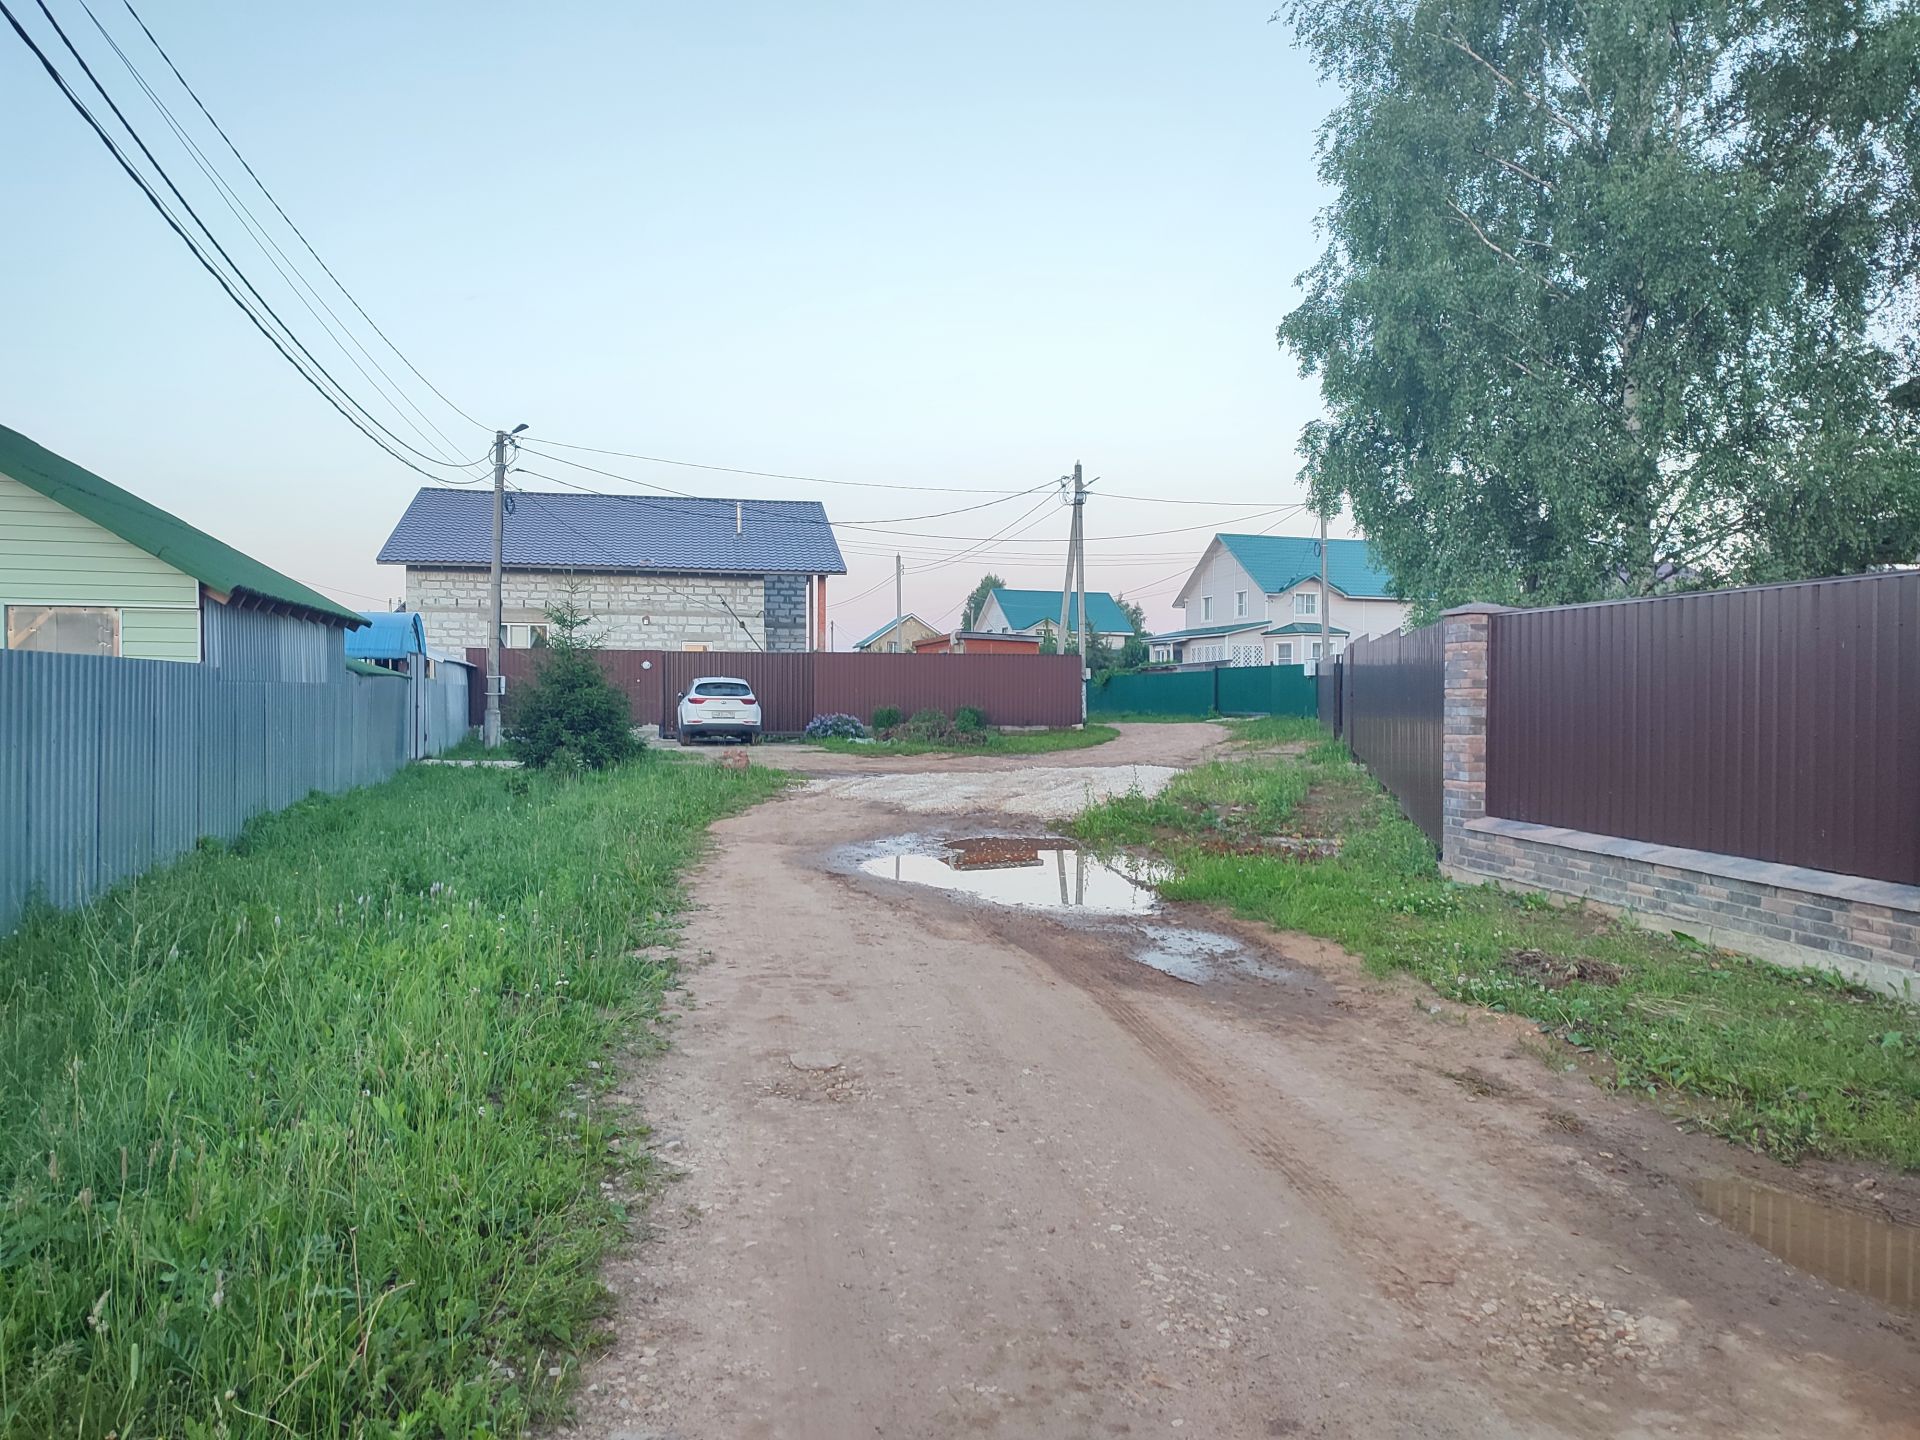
{"x":955,"y":1169}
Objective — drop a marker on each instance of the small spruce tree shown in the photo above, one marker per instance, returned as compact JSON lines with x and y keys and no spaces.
{"x":572,"y":716}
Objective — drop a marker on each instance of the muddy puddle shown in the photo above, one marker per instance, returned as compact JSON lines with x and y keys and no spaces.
{"x":1855,"y":1251}
{"x":1041,"y":875}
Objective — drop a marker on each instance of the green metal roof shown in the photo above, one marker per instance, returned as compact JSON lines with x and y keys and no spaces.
{"x":1279,"y":562}
{"x":862,"y":644}
{"x":1303,"y":627}
{"x":212,"y":562}
{"x":367,"y":667}
{"x":1194,"y":632}
{"x":1026,"y":608}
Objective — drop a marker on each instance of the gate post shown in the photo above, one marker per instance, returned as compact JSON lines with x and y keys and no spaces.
{"x":1463,"y":746}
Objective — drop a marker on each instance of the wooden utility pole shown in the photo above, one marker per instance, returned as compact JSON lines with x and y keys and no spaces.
{"x":899,"y":576}
{"x":490,"y":731}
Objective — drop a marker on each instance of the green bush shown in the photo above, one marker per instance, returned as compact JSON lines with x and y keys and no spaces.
{"x":886,"y":717}
{"x":571,"y":717}
{"x":969,"y":719}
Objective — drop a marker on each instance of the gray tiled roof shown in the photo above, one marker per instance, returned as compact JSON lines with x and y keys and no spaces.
{"x":618,"y":532}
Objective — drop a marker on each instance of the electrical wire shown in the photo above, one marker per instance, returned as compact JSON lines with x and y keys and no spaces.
{"x":153,"y":40}
{"x":612,"y":559}
{"x":193,"y":246}
{"x":337,"y":330}
{"x":214,"y":240}
{"x":857,"y":484}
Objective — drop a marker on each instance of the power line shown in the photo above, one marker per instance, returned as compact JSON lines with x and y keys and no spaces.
{"x":193,"y":246}
{"x":214,"y":240}
{"x":161,"y":50}
{"x":270,"y":248}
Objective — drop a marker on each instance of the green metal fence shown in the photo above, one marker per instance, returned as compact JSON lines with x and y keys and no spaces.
{"x":1231,"y":690}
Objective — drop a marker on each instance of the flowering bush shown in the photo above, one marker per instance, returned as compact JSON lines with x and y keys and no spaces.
{"x":835,"y":727}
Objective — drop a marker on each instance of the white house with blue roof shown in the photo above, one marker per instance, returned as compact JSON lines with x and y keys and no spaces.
{"x":1007,"y":611}
{"x":1257,"y":600}
{"x":654,"y":572}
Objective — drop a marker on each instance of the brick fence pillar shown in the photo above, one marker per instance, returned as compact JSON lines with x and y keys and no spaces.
{"x":1463,"y":748}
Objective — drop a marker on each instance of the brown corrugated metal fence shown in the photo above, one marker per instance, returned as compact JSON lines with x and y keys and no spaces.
{"x":1780,"y":723}
{"x":1394,"y":692}
{"x":793,"y":688}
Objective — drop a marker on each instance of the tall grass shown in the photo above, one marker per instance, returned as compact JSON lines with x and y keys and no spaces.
{"x":291,"y":1144}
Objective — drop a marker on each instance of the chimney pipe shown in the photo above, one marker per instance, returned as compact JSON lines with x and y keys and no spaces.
{"x":738,"y":511}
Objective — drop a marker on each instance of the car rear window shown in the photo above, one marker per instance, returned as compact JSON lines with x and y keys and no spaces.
{"x":723,"y":687}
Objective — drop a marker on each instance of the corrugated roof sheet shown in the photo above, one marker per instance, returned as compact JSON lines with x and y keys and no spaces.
{"x":389,"y":635}
{"x":1027,"y":608}
{"x":1278,"y":562}
{"x":214,"y":563}
{"x":618,"y":532}
{"x":862,"y":644}
{"x":1195,"y":631}
{"x":1304,"y":627}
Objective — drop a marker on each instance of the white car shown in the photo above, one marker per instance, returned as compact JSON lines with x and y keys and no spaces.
{"x":719,"y":705}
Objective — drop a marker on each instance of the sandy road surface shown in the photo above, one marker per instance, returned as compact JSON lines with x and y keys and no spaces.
{"x":1018,"y":1184}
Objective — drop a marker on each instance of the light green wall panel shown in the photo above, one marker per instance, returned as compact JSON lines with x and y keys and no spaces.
{"x":51,"y":556}
{"x":160,"y":634}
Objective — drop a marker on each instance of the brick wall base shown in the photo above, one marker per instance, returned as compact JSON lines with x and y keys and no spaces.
{"x":1868,"y":930}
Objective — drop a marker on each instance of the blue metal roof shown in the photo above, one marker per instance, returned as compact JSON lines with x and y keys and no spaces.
{"x":663,"y":533}
{"x":387,"y":635}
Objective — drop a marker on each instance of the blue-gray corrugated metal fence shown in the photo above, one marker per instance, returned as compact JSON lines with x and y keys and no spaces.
{"x":442,"y":699}
{"x":109,"y":766}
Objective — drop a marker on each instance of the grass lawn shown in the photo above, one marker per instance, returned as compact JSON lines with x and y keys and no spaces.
{"x":1788,"y":1062}
{"x":1037,"y":742}
{"x":294,"y":1139}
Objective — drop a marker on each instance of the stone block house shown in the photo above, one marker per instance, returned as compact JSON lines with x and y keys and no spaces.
{"x":655,"y":572}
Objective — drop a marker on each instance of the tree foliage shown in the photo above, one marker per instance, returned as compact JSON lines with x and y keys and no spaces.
{"x":977,"y":599}
{"x":1618,"y":295}
{"x":572,"y":715}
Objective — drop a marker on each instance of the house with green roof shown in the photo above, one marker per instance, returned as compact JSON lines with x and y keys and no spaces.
{"x":89,"y":568}
{"x":1037,"y":612}
{"x":1258,"y":600}
{"x":897,"y":637}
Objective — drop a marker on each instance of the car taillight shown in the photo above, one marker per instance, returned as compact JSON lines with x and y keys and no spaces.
{"x":695,"y":700}
{"x":749,"y":701}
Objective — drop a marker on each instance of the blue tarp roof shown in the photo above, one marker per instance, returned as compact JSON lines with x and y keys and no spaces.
{"x":664,"y":533}
{"x":388,"y":635}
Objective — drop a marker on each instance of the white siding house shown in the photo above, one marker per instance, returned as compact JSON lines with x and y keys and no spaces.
{"x":1257,"y":600}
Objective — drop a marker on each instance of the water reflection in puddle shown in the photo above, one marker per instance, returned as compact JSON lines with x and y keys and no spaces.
{"x":1197,"y":956}
{"x":1844,"y":1247}
{"x":1055,"y":878}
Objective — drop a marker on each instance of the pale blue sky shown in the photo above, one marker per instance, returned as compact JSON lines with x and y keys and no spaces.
{"x":945,"y":245}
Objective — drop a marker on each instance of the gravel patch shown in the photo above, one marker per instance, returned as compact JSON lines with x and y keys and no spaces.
{"x":1043,"y":792}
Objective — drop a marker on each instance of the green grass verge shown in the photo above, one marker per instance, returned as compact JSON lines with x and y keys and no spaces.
{"x":1788,"y":1062}
{"x":294,"y":1142}
{"x":472,"y":747}
{"x":1038,"y":742}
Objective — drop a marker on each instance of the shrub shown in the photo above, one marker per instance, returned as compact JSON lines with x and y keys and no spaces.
{"x":571,"y":717}
{"x":969,"y":720}
{"x":886,"y":717}
{"x":835,"y":727}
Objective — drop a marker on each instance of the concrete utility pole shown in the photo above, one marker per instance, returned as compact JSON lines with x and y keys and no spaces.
{"x":1326,"y":620}
{"x":1076,"y":565}
{"x":1080,"y":553}
{"x":899,"y":576}
{"x":490,"y":731}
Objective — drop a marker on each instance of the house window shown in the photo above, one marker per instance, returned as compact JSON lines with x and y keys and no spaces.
{"x":1316,"y":649}
{"x":1283,"y":653}
{"x":1239,"y":604}
{"x":1306,"y":602}
{"x":1206,"y":607}
{"x":64,"y":629}
{"x":893,"y":647}
{"x":523,"y":637}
